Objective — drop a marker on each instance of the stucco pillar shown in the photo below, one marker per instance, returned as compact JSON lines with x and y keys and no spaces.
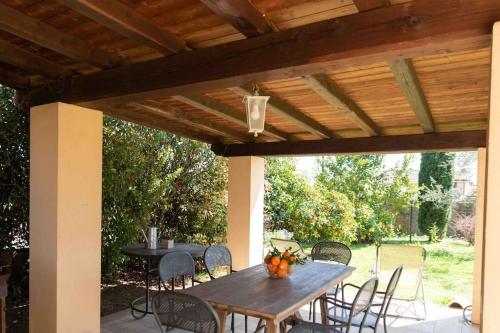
{"x":245,"y":213}
{"x":491,"y":242}
{"x":65,"y":219}
{"x":478,"y":237}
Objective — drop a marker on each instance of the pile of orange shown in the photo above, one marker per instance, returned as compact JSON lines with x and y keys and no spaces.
{"x":279,"y":264}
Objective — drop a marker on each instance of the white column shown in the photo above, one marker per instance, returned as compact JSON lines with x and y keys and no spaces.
{"x":478,"y":237}
{"x":245,"y":213}
{"x":65,"y":219}
{"x":491,"y":243}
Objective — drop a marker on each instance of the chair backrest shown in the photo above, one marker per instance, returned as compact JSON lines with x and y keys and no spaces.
{"x":285,"y":244}
{"x":186,"y":312}
{"x":176,"y":264}
{"x":412,"y":257}
{"x":331,"y":251}
{"x":363,"y":300}
{"x":391,"y":289}
{"x":216,"y":256}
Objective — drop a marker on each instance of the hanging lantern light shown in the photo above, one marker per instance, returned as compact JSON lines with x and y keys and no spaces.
{"x":256,"y":111}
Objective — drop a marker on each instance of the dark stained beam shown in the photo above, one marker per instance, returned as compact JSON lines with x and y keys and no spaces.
{"x":288,"y":112}
{"x":12,"y":79}
{"x":127,"y":22}
{"x":242,"y":15}
{"x":331,"y":93}
{"x":49,"y":37}
{"x":449,"y":141}
{"x":407,"y":78}
{"x":420,"y":27}
{"x":180,"y":116}
{"x":223,"y":111}
{"x":364,"y":5}
{"x":29,"y":62}
{"x":160,"y":123}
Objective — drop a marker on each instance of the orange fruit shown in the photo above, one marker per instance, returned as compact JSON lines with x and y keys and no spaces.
{"x":293,"y":259}
{"x":267,"y":259}
{"x":283,"y":264}
{"x":282,"y":273}
{"x":286,"y":254}
{"x":275,"y":260}
{"x":272,"y":268}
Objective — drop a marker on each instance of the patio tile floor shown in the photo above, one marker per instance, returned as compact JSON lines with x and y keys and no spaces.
{"x":440,"y":320}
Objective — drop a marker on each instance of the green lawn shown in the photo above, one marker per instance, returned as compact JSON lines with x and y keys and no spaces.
{"x":448,"y":268}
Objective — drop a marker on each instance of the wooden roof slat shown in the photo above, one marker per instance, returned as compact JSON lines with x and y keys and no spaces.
{"x":331,"y":93}
{"x":214,"y":107}
{"x":364,"y":5}
{"x":183,"y":117}
{"x":399,"y":143}
{"x":127,"y":22}
{"x":242,"y":15}
{"x":288,"y":111}
{"x":401,"y":31}
{"x":406,"y":76}
{"x":160,"y":123}
{"x":49,"y":37}
{"x":32,"y":63}
{"x":13,"y":80}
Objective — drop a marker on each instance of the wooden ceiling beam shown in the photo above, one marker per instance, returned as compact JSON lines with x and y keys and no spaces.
{"x":160,"y":123}
{"x":127,"y":22}
{"x":406,"y":76}
{"x":223,"y":111}
{"x":242,"y":15}
{"x":332,"y":94}
{"x":364,"y":5}
{"x":288,"y":112}
{"x":416,"y":28}
{"x":180,"y":116}
{"x":449,"y":141}
{"x":40,"y":33}
{"x":12,"y":79}
{"x":29,"y":62}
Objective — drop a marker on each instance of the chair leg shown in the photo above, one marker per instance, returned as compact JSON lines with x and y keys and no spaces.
{"x":310,"y":310}
{"x":385,"y":324}
{"x":246,"y":323}
{"x":232,"y":322}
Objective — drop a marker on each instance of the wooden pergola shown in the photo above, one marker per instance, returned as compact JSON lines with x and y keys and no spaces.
{"x":344,"y":76}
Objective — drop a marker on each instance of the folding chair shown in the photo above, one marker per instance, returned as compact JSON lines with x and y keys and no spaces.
{"x":411,"y":282}
{"x":285,"y":244}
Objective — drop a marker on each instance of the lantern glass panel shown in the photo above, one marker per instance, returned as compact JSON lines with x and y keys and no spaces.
{"x":256,"y":113}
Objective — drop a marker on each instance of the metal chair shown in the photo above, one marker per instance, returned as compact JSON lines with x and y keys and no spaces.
{"x":335,"y":252}
{"x":217,"y":256}
{"x":359,"y":307}
{"x":174,"y":265}
{"x":331,"y":252}
{"x":186,"y":312}
{"x":381,"y":300}
{"x":411,"y":282}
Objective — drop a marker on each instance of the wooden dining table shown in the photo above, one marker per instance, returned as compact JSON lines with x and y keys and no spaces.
{"x":252,"y":292}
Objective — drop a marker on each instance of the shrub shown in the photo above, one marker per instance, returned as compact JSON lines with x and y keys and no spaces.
{"x":151,"y":177}
{"x":377,"y":195}
{"x":436,"y":180}
{"x":14,"y":170}
{"x":463,"y":226}
{"x":310,"y":212}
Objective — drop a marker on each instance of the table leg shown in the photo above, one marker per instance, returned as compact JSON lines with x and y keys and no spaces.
{"x":324,"y":309}
{"x":222,"y":319}
{"x":272,"y":326}
{"x":148,"y":277}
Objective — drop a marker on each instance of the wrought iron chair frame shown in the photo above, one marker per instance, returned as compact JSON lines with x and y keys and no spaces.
{"x":167,"y":326}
